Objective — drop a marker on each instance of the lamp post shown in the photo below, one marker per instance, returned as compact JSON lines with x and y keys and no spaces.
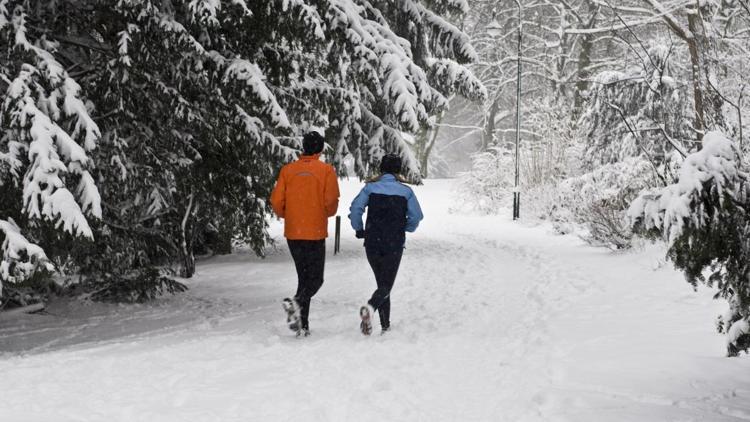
{"x":494,"y":29}
{"x":516,"y":191}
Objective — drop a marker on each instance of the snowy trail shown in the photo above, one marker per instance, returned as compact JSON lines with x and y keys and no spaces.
{"x":492,"y":321}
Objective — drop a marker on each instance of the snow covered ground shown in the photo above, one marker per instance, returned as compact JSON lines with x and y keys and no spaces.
{"x":492,"y":321}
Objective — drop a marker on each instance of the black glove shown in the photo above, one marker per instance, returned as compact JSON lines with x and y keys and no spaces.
{"x":360,"y":234}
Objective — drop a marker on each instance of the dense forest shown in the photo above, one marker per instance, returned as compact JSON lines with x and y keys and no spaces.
{"x":139,"y":133}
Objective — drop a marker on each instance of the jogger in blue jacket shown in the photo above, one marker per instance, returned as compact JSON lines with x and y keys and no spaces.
{"x":392,"y":210}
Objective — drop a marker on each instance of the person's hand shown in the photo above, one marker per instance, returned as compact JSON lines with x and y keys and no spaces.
{"x":360,"y":234}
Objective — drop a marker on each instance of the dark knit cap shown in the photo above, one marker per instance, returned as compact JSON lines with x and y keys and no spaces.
{"x":312,"y":143}
{"x":391,"y":163}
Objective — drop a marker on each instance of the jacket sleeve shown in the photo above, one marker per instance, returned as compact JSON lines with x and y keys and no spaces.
{"x":278,"y":196}
{"x":358,"y":209}
{"x":331,"y":193}
{"x":413,"y":213}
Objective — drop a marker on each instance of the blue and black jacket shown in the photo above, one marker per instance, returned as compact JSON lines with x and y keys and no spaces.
{"x":392,"y":210}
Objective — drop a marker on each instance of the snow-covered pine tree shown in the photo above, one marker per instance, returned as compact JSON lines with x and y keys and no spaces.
{"x":200,"y":102}
{"x":704,"y":217}
{"x":392,"y":66}
{"x":47,"y":137}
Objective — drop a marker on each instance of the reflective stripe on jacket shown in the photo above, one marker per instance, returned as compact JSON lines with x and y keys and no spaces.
{"x":306,"y":194}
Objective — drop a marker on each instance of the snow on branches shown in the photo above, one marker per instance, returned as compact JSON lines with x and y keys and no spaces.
{"x":52,"y":152}
{"x":705,"y":218}
{"x":20,"y":258}
{"x":48,"y":135}
{"x":254,"y":127}
{"x":406,"y":60}
{"x":205,"y":11}
{"x":638,"y":112}
{"x":251,"y":76}
{"x":451,"y":76}
{"x":715,"y":170}
{"x":200,"y":102}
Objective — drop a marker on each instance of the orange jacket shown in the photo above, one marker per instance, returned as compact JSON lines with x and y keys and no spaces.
{"x":306,"y":194}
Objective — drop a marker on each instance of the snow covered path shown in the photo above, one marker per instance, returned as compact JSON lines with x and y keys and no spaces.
{"x":492,"y":321}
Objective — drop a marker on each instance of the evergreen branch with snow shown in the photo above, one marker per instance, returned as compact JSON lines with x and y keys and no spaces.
{"x":21,"y":259}
{"x":705,"y":218}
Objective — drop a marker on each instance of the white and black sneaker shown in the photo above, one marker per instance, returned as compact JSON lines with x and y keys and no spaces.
{"x":365,"y":313}
{"x":293,"y":320}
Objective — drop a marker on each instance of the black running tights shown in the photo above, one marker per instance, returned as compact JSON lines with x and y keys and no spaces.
{"x":385,"y":266}
{"x":309,"y":259}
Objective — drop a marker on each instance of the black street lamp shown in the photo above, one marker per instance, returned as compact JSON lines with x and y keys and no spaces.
{"x":516,"y":191}
{"x":494,"y":29}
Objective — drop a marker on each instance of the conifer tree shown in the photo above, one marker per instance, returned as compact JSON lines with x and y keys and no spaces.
{"x":179,"y":113}
{"x":704,"y":218}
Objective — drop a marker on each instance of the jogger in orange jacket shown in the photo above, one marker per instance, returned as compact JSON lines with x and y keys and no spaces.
{"x":305,"y":196}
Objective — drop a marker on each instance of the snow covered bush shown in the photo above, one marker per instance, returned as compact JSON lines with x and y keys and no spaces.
{"x":550,"y":153}
{"x":704,"y":218}
{"x":598,"y":200}
{"x":488,"y":185}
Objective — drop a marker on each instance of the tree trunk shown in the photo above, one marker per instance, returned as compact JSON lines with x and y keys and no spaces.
{"x":420,"y":146}
{"x":695,"y":66}
{"x":713,"y":101}
{"x":584,"y":60}
{"x":582,"y":74}
{"x":427,"y":143}
{"x":187,"y":255}
{"x":488,"y":137}
{"x":695,"y":37}
{"x":188,"y":264}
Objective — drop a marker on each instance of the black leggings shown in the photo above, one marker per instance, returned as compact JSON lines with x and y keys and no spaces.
{"x":385,"y":266}
{"x":309,"y":259}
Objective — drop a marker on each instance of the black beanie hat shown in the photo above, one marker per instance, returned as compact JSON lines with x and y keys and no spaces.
{"x":391,"y":163}
{"x":312,"y":143}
